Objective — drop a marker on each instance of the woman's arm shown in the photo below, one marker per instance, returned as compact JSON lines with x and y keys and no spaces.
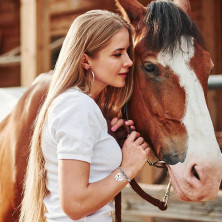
{"x":78,"y":198}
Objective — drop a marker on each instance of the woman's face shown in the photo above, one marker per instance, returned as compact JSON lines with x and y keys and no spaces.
{"x":111,"y":64}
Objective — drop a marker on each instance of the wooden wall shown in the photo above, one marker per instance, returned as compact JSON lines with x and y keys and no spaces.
{"x":9,"y":39}
{"x":206,"y":13}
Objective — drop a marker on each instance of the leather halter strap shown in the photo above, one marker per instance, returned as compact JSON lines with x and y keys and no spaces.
{"x":162,"y":205}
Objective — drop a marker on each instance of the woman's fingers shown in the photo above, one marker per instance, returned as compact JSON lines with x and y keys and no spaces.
{"x":131,"y":137}
{"x":129,"y":123}
{"x":116,"y":123}
{"x":145,"y":145}
{"x":147,"y":150}
{"x":139,"y":141}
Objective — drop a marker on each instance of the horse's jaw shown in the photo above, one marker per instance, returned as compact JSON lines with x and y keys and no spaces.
{"x":198,"y":178}
{"x":202,"y":185}
{"x":196,"y":175}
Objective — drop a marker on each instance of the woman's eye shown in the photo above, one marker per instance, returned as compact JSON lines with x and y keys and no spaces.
{"x":149,"y":68}
{"x":118,"y":55}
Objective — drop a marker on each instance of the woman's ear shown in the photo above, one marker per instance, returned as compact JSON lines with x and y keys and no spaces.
{"x":85,"y":62}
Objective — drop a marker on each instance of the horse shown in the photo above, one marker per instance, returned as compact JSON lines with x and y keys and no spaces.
{"x":168,"y":106}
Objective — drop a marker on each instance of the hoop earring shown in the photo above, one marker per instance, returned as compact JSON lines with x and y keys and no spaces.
{"x":93,"y":75}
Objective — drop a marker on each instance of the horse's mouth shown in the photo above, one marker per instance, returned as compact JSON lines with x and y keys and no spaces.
{"x":177,"y":189}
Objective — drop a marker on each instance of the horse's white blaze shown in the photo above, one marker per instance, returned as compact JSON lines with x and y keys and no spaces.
{"x":203,"y":150}
{"x":197,"y":120}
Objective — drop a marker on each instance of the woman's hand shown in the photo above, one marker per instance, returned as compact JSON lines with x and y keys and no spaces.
{"x":135,"y":150}
{"x":117,"y":123}
{"x":135,"y":154}
{"x":119,"y":129}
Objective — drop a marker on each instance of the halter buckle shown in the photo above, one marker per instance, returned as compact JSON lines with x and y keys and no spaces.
{"x":158,"y":164}
{"x":167,"y":194}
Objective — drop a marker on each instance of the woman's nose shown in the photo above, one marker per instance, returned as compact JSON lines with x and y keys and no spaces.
{"x":128,"y":62}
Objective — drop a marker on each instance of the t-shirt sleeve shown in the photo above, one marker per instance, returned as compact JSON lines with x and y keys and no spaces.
{"x":75,"y":126}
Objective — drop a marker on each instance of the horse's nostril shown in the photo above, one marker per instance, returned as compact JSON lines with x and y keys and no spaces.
{"x":171,"y":159}
{"x":195,"y":172}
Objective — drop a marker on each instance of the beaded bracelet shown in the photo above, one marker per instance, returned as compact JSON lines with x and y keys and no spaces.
{"x":122,"y":171}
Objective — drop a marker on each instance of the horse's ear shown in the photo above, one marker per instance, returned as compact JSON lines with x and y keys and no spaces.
{"x":184,"y":5}
{"x":132,"y":11}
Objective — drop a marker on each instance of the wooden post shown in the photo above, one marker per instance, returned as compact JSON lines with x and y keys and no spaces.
{"x":218,"y":10}
{"x":212,"y":32}
{"x":35,"y":39}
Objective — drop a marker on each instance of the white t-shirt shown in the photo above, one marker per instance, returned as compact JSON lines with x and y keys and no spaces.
{"x":76,"y":129}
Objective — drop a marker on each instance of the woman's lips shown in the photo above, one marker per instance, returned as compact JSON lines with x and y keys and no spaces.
{"x":124,"y":75}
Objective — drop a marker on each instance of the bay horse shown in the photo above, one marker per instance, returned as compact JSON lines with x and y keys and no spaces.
{"x":168,"y":106}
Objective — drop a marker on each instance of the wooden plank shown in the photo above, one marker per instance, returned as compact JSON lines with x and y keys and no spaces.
{"x":59,"y":25}
{"x":12,"y":52}
{"x":135,"y":209}
{"x":10,"y":37}
{"x":43,"y":37}
{"x":8,"y":18}
{"x":63,"y":12}
{"x":147,"y":176}
{"x":218,"y":59}
{"x":57,"y":44}
{"x":9,"y":60}
{"x":1,"y":40}
{"x":12,"y":57}
{"x":35,"y":54}
{"x":69,"y":6}
{"x":9,"y":76}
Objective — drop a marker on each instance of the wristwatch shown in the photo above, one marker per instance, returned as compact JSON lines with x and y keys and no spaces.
{"x":120,"y":177}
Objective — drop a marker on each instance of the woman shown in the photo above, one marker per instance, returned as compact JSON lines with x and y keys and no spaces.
{"x":75,"y":167}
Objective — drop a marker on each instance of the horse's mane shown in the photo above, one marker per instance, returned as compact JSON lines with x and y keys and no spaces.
{"x":166,"y":24}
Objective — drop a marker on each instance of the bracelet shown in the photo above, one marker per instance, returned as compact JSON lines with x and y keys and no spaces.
{"x":122,"y":171}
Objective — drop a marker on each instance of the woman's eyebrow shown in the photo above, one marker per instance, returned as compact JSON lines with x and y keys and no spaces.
{"x":120,"y":49}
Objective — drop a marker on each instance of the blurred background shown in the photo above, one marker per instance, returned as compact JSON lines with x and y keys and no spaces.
{"x":29,"y":30}
{"x":32,"y":32}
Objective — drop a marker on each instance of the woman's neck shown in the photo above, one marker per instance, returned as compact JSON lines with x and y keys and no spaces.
{"x":97,"y":88}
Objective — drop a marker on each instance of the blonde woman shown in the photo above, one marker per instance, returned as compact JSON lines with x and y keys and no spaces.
{"x":75,"y":167}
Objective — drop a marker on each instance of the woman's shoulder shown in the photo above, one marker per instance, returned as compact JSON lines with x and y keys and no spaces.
{"x":73,"y":97}
{"x":72,"y":101}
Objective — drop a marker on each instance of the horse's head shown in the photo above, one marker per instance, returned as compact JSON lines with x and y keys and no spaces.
{"x":168,"y":104}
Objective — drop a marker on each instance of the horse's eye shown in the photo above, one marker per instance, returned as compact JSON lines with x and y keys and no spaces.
{"x":150,"y":68}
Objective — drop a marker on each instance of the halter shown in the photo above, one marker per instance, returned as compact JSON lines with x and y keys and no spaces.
{"x":162,"y":205}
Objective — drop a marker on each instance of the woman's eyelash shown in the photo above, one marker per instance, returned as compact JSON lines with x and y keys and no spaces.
{"x":118,"y":55}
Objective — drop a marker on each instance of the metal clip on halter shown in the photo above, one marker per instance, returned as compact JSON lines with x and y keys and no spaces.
{"x":158,"y":164}
{"x":167,"y":194}
{"x":162,"y":164}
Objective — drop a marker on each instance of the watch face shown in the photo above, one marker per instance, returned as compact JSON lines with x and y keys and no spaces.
{"x":119,"y":177}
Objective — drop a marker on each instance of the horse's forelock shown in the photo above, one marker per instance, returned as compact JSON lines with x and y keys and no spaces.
{"x":166,"y":24}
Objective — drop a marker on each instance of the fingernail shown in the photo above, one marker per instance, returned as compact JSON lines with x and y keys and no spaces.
{"x":127,"y":122}
{"x":113,"y":128}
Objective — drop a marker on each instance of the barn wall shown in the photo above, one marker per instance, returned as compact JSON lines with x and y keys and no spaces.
{"x":9,"y":39}
{"x":206,"y":13}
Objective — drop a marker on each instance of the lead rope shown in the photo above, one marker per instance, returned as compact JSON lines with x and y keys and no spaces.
{"x":162,"y":205}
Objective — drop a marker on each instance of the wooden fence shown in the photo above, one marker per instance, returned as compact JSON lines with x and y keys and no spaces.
{"x":135,"y":209}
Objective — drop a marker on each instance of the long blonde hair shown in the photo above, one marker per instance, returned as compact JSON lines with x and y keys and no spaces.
{"x":89,"y":33}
